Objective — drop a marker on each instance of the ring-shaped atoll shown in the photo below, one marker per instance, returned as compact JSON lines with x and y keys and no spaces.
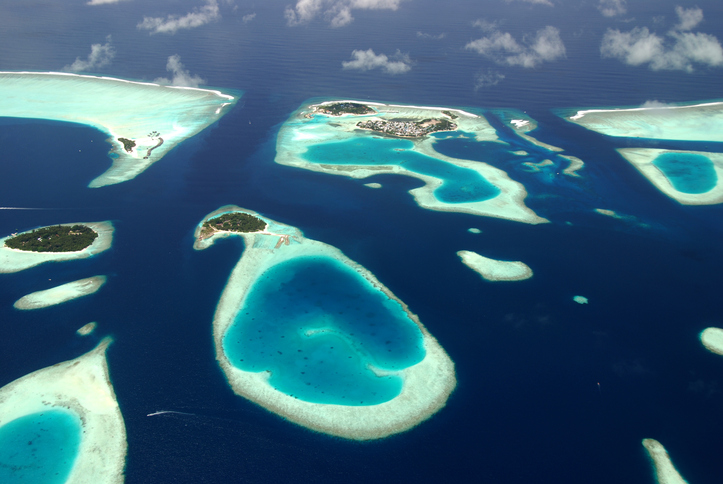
{"x":145,"y":120}
{"x":336,"y":137}
{"x":83,"y":440}
{"x":689,"y":177}
{"x":314,"y":337}
{"x":15,"y":260}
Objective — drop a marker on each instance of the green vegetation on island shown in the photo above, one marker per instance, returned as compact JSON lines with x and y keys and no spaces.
{"x":450,"y":114}
{"x":56,"y":238}
{"x":232,"y":222}
{"x":128,"y":144}
{"x":337,"y":109}
{"x":406,"y":128}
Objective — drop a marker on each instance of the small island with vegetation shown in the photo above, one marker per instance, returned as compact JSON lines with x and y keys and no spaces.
{"x":128,"y":144}
{"x":56,"y":238}
{"x":337,"y":109}
{"x":232,"y":222}
{"x":407,"y":128}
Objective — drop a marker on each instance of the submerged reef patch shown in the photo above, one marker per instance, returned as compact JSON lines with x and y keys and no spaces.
{"x":665,"y":472}
{"x":495,"y":270}
{"x":60,"y":294}
{"x":13,"y":260}
{"x":78,"y":398}
{"x":314,"y":337}
{"x":396,"y":139}
{"x":712,"y":339}
{"x":145,"y":120}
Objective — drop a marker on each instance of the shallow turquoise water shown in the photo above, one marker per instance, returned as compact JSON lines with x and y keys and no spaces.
{"x":317,"y":325}
{"x":688,"y":172}
{"x":39,"y":448}
{"x":460,"y":185}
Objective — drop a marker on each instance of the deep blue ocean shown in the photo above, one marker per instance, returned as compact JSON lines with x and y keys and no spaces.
{"x":527,"y":407}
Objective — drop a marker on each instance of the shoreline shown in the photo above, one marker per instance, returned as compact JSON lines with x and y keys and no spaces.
{"x":60,"y":294}
{"x":420,"y":397}
{"x":16,"y":260}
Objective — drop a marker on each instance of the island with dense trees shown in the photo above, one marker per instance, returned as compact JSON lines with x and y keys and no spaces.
{"x":128,"y":144}
{"x":55,"y":238}
{"x":337,"y":109}
{"x":232,"y":222}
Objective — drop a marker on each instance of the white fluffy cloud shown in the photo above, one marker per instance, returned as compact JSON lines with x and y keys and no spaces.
{"x":181,"y":76}
{"x":102,"y":2}
{"x":248,"y":17}
{"x":611,"y":8}
{"x":678,"y":50}
{"x":172,"y":23}
{"x":544,"y":46}
{"x":365,"y":60}
{"x":424,"y":35}
{"x":539,"y":2}
{"x":100,"y":56}
{"x":487,"y":79}
{"x":688,"y":18}
{"x":337,"y":12}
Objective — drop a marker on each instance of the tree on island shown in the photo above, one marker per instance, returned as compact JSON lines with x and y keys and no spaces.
{"x":337,"y":109}
{"x":233,"y":222}
{"x":128,"y":144}
{"x":56,"y":238}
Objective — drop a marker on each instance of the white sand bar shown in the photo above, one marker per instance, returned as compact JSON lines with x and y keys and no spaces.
{"x":694,"y":122}
{"x":712,"y":339}
{"x":60,"y":294}
{"x":522,"y":124}
{"x":665,"y":472}
{"x":155,"y":117}
{"x":81,"y":386}
{"x":427,"y":384}
{"x":642,"y":160}
{"x":87,"y":329}
{"x":495,"y":270}
{"x":306,"y":127}
{"x":13,"y":260}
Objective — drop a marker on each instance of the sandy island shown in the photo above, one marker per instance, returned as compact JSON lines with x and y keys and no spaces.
{"x":87,"y":329}
{"x":304,"y":129}
{"x":427,"y":384}
{"x":60,"y":294}
{"x":712,"y":339}
{"x":81,"y":386}
{"x":694,"y":122}
{"x":665,"y":472}
{"x":13,"y":260}
{"x":495,"y":270}
{"x":642,"y":160}
{"x":152,"y":119}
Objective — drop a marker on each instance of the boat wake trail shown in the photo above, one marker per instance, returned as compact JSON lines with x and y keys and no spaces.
{"x":163,"y":412}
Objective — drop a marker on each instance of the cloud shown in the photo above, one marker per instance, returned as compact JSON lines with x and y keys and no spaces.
{"x":181,"y":76}
{"x":337,"y":12}
{"x":689,"y":18}
{"x":654,"y":103}
{"x":539,"y":2}
{"x":100,"y":56}
{"x":365,"y":60}
{"x":172,"y":23}
{"x":487,"y":79}
{"x":678,"y":50}
{"x":485,"y":25}
{"x":248,"y":17}
{"x":611,"y":8}
{"x":102,"y":2}
{"x":544,"y":46}
{"x":423,"y":35}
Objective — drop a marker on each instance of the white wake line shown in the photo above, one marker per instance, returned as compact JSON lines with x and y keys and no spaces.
{"x":27,"y":208}
{"x":163,"y":412}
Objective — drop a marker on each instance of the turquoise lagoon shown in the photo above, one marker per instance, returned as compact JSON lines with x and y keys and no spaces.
{"x":459,"y":185}
{"x":39,"y":448}
{"x":325,"y":333}
{"x":687,"y":172}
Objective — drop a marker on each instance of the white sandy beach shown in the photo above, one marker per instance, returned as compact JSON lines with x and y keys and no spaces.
{"x":60,"y":294}
{"x":175,"y":113}
{"x":427,"y":385}
{"x":12,"y":260}
{"x":81,"y":386}
{"x":495,"y":270}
